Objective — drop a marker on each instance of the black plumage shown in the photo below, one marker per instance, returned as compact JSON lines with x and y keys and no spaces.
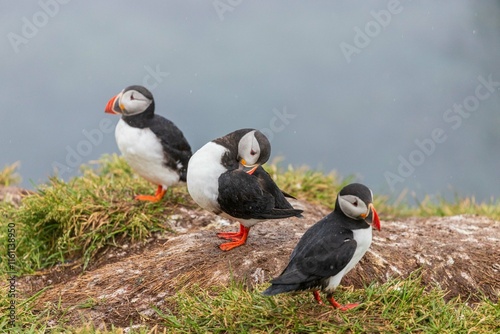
{"x":331,"y":247}
{"x":323,"y":251}
{"x":231,"y":159}
{"x":152,"y":145}
{"x":225,"y":177}
{"x":254,"y":196}
{"x":176,"y":149}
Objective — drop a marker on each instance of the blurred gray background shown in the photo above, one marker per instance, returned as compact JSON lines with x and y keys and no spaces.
{"x":401,"y":94}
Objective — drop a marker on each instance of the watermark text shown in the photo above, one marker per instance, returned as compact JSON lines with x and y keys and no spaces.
{"x":454,"y":118}
{"x":31,"y":26}
{"x":11,"y":273}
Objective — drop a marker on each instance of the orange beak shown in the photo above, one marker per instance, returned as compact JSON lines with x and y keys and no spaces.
{"x":375,"y":219}
{"x":248,"y":169}
{"x":251,"y":170}
{"x":109,"y":107}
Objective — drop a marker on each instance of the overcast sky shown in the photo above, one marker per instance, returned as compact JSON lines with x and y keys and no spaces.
{"x":401,"y":94}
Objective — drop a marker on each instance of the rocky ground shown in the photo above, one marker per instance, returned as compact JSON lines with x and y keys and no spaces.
{"x":459,"y":253}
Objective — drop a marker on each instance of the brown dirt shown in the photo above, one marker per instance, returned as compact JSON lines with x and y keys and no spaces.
{"x":459,"y":254}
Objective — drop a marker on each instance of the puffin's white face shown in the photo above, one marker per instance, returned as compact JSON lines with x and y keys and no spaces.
{"x":353,"y":207}
{"x":249,"y":149}
{"x":132,"y":102}
{"x":356,"y":202}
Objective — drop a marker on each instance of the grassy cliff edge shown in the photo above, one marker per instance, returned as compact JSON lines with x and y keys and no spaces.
{"x":73,"y":223}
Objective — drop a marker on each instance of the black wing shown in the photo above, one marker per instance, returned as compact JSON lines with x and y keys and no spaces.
{"x":174,"y":144}
{"x":243,"y":196}
{"x":267,"y":183}
{"x":323,"y":251}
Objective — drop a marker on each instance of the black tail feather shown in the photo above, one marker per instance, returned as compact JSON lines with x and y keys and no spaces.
{"x":275,"y":289}
{"x":281,"y":213}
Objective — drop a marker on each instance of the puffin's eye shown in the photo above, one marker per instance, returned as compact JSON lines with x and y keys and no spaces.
{"x":355,"y":203}
{"x":132,"y":97}
{"x":252,"y":152}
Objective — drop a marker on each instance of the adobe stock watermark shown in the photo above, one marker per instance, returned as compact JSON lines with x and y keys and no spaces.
{"x":278,"y":123}
{"x":454,"y":118}
{"x":154,"y":77}
{"x":74,"y":155}
{"x":31,"y":25}
{"x":94,"y":137}
{"x":11,"y":274}
{"x":372,"y":29}
{"x":223,"y":6}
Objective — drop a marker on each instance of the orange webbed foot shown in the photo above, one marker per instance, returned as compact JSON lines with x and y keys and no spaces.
{"x":160,"y":192}
{"x":237,"y":238}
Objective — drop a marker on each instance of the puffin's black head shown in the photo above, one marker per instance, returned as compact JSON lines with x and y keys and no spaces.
{"x":247,"y":149}
{"x":356,"y":201}
{"x":254,"y":150}
{"x":131,"y":101}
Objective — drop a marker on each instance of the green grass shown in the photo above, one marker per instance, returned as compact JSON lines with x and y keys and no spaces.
{"x":398,"y":306}
{"x":68,"y":221}
{"x":74,"y":220}
{"x":319,"y":188}
{"x":9,"y":175}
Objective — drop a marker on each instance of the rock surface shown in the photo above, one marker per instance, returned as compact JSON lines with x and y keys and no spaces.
{"x":12,"y":194}
{"x":460,"y":254}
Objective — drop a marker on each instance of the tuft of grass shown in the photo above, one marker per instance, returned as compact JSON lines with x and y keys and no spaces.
{"x":468,"y":205}
{"x":398,"y":306}
{"x":73,"y":221}
{"x":319,"y":188}
{"x":309,"y":185}
{"x":66,"y":221}
{"x":52,"y":319}
{"x":9,"y":175}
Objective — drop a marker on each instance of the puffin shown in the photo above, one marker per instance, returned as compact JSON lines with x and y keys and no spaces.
{"x":152,"y":145}
{"x":225,"y":177}
{"x":331,"y":247}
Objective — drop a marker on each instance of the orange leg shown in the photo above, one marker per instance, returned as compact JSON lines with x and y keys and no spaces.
{"x":333,"y":302}
{"x":237,"y":238}
{"x":234,"y":236}
{"x":160,"y":192}
{"x":317,"y":297}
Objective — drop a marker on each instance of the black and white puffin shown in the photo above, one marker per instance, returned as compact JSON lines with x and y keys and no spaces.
{"x":331,"y":247}
{"x":225,"y":177}
{"x":152,"y":145}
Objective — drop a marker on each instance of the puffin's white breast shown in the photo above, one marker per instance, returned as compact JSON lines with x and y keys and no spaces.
{"x":363,"y":238}
{"x":203,"y":173}
{"x":144,"y":153}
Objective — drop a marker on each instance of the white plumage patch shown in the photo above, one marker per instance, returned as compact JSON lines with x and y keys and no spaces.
{"x":144,"y":153}
{"x":203,"y":173}
{"x":363,"y":238}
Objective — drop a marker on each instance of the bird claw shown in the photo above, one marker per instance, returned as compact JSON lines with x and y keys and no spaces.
{"x":230,"y":245}
{"x":348,"y":306}
{"x":233,"y":236}
{"x":160,"y":192}
{"x":148,"y":198}
{"x":333,"y":302}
